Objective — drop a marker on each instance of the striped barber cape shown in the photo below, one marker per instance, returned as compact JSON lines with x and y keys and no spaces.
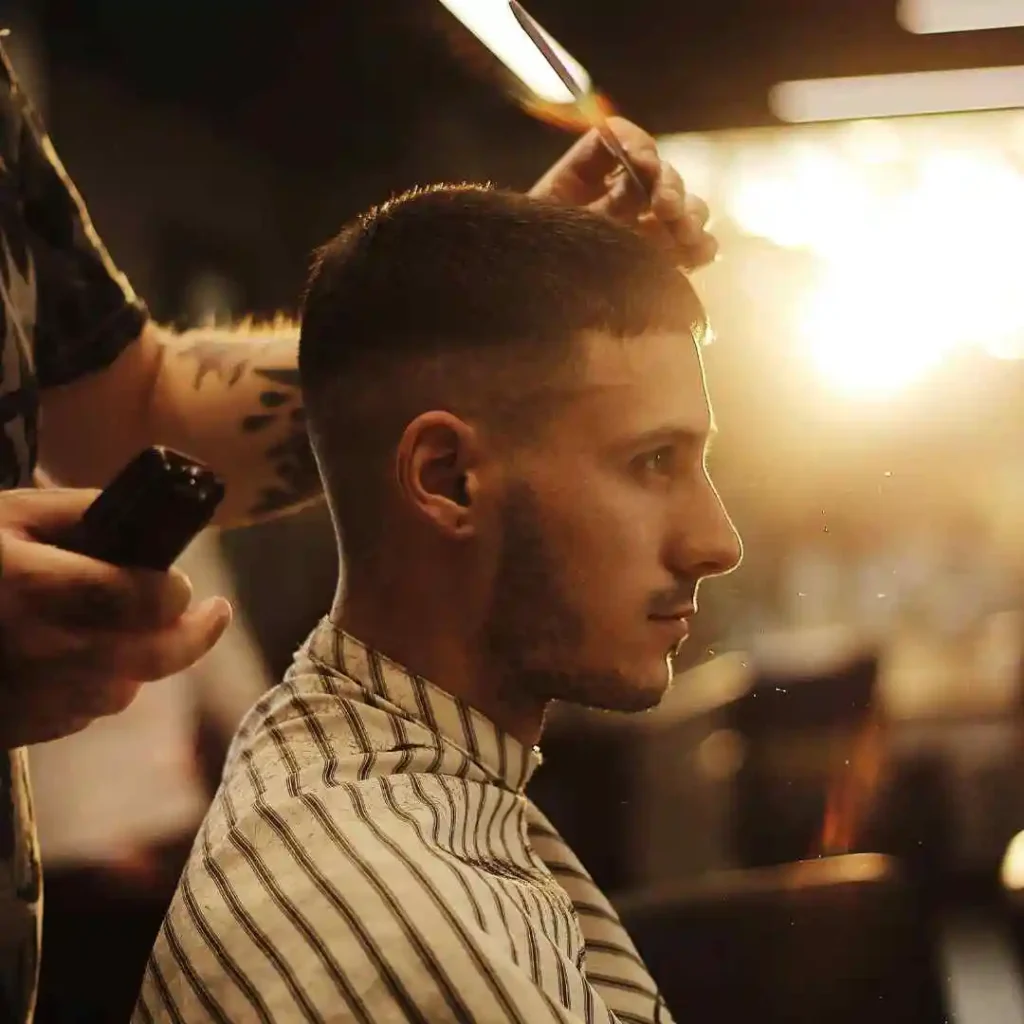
{"x":371,"y":856}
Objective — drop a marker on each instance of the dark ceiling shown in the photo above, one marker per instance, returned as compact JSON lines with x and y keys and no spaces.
{"x":310,"y":79}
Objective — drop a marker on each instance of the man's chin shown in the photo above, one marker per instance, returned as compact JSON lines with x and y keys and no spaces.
{"x":641,"y":698}
{"x":628,"y":695}
{"x":603,"y":689}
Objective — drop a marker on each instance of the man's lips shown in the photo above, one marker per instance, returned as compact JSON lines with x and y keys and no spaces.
{"x":683,"y":611}
{"x":675,"y":623}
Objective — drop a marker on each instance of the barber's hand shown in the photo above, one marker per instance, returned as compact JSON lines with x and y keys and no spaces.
{"x":78,"y":637}
{"x":588,"y":175}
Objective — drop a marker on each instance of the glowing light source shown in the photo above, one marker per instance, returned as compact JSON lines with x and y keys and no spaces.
{"x":912,"y":228}
{"x":925,"y":17}
{"x":898,"y":296}
{"x":494,"y":24}
{"x":871,"y":143}
{"x":802,"y":196}
{"x":1012,"y":870}
{"x":868,"y":332}
{"x":919,"y":92}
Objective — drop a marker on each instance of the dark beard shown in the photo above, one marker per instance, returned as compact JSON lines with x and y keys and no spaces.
{"x":534,"y":634}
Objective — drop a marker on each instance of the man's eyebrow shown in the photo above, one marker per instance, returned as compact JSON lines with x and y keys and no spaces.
{"x":676,"y":434}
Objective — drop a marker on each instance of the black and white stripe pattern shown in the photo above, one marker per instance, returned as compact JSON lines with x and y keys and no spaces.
{"x":371,"y":856}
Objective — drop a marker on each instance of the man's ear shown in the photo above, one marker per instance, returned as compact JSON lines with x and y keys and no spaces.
{"x":436,"y":469}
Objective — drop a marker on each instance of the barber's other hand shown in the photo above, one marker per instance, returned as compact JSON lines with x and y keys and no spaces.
{"x":79,"y":637}
{"x":588,"y":175}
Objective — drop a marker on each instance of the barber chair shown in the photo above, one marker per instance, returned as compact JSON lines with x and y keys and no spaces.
{"x":796,"y":730}
{"x":646,"y":800}
{"x":833,"y":941}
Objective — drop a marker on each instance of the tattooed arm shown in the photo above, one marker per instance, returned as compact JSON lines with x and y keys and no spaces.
{"x":228,"y":397}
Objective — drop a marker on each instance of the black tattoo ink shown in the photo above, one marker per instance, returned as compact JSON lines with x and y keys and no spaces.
{"x":299,"y":478}
{"x":272,"y":399}
{"x":286,"y":378}
{"x":294,"y":465}
{"x":269,"y":400}
{"x":226,"y":359}
{"x":253,"y":423}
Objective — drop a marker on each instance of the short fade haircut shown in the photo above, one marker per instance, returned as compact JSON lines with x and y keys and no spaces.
{"x":469,"y":299}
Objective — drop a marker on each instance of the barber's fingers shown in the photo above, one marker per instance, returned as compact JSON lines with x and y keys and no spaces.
{"x":44,"y":513}
{"x":173,"y":649}
{"x":678,"y":220}
{"x":41,"y":581}
{"x":101,"y":664}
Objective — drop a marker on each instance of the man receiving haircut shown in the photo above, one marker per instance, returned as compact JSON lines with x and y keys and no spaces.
{"x":507,"y":404}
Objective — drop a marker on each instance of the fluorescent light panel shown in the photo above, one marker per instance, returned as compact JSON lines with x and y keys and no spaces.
{"x":928,"y":17}
{"x":921,"y":92}
{"x":494,"y":24}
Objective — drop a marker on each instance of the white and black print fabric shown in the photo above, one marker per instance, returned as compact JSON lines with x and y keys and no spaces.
{"x":65,"y":312}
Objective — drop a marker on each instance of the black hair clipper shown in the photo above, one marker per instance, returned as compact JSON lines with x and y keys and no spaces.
{"x":149,"y":513}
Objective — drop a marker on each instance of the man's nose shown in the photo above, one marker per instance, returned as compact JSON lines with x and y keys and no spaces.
{"x":708,"y":543}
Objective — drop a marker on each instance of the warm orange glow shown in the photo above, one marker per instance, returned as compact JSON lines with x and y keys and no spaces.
{"x":531,"y":82}
{"x":883,"y":303}
{"x":569,"y":116}
{"x":852,"y":792}
{"x":496,"y":27}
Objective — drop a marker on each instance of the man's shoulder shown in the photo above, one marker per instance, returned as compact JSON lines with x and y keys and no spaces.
{"x":332,"y":732}
{"x":341,"y":814}
{"x":336,"y":880}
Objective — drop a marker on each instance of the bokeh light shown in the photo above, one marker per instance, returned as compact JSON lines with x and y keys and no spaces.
{"x":912,"y":227}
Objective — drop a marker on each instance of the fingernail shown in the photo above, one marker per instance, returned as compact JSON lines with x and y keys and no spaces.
{"x":620,"y":190}
{"x":695,"y":224}
{"x":219,"y":607}
{"x":183,"y":585}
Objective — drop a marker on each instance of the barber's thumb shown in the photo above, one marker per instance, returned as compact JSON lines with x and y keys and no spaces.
{"x":206,"y":623}
{"x":44,"y":514}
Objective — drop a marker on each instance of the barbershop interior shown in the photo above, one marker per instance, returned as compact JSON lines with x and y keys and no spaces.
{"x":823,"y":821}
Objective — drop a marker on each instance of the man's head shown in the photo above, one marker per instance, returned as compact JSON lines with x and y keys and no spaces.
{"x":508,"y":406}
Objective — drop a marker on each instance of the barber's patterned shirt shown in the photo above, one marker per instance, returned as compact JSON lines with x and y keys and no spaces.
{"x":371,"y":856}
{"x":65,"y":312}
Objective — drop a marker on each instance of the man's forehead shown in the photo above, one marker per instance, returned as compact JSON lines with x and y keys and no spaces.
{"x":608,"y":359}
{"x":645,"y":383}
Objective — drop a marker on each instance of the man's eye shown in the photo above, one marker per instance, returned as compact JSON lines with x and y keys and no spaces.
{"x":658,"y":462}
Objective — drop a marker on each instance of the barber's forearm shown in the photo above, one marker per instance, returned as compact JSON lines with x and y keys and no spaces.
{"x":232,"y":399}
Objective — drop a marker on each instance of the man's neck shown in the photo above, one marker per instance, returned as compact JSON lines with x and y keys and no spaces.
{"x":420,"y":639}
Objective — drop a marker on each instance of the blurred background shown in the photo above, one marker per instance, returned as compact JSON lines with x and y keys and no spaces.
{"x":856,"y":686}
